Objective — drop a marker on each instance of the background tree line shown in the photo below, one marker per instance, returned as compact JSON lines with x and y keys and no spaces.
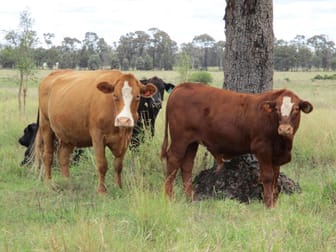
{"x":305,"y":54}
{"x":147,"y":50}
{"x":139,"y":50}
{"x":135,"y":50}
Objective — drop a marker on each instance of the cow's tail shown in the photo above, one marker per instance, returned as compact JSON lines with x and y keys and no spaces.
{"x":37,"y":148}
{"x":165,"y":142}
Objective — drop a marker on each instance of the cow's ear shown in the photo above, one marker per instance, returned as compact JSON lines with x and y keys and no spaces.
{"x":268,"y":106}
{"x":105,"y":87}
{"x":169,"y":87}
{"x":148,"y":90}
{"x":306,"y":106}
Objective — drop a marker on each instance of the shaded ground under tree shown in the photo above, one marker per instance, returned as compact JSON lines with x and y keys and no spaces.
{"x":229,"y":183}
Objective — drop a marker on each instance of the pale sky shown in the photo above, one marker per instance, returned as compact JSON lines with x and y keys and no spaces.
{"x":181,"y":19}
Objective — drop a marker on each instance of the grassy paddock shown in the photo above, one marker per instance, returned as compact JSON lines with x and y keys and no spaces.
{"x":68,"y":215}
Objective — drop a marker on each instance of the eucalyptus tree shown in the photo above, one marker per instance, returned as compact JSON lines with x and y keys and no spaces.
{"x":126,"y":50}
{"x":48,"y":39}
{"x":22,"y":43}
{"x":204,"y":42}
{"x":324,"y":48}
{"x":285,"y":56}
{"x":219,"y":48}
{"x":69,"y":52}
{"x":162,"y":49}
{"x":193,"y":53}
{"x":105,"y":52}
{"x":303,"y":55}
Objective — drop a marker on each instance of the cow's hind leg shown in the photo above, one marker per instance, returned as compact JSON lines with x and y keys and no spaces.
{"x":186,"y":169}
{"x":64,"y":152}
{"x":171,"y":171}
{"x":174,"y":161}
{"x":118,"y":166}
{"x":48,"y":149}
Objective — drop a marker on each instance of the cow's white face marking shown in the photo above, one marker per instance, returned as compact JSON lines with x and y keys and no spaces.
{"x":286,"y":106}
{"x":126,"y":92}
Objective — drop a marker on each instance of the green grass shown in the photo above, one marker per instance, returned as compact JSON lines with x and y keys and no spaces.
{"x":68,"y":214}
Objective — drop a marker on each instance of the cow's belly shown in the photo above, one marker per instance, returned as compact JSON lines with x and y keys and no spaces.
{"x":227,"y":146}
{"x":70,"y":130}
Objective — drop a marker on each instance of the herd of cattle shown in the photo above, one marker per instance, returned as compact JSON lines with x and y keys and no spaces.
{"x":108,"y":108}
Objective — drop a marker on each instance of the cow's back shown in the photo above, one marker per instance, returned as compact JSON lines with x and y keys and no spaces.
{"x":208,"y":115}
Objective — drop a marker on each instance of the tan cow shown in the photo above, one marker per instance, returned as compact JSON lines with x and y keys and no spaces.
{"x":230,"y":124}
{"x":89,"y":108}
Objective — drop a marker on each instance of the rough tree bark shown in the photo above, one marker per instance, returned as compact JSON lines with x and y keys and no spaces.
{"x":248,"y":56}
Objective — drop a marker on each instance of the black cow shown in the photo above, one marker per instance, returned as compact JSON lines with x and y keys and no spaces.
{"x":28,"y":140}
{"x":148,"y":110}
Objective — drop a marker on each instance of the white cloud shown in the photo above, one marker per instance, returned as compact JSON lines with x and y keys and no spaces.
{"x":304,"y":17}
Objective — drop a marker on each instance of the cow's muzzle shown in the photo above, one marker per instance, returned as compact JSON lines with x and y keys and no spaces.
{"x":123,"y":122}
{"x":285,"y":130}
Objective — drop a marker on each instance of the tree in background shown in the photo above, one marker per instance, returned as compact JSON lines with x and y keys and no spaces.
{"x":183,"y":66}
{"x":324,"y":49}
{"x":22,"y":43}
{"x":154,"y":49}
{"x":204,"y":43}
{"x":162,"y":49}
{"x":69,"y":53}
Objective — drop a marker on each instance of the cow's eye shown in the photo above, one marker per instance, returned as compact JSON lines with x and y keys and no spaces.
{"x":296,"y":109}
{"x":137,"y":98}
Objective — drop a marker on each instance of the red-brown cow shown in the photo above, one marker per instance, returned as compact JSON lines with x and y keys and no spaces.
{"x":230,"y":124}
{"x":88,"y":108}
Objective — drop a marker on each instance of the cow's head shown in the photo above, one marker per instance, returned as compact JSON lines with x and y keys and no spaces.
{"x":155,"y":102}
{"x":28,"y":135}
{"x":126,"y":92}
{"x":287,"y":108}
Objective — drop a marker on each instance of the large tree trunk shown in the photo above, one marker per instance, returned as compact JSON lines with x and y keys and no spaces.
{"x":248,"y":57}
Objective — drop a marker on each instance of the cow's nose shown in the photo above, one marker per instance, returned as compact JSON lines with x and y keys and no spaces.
{"x":285,"y":130}
{"x":123,"y":122}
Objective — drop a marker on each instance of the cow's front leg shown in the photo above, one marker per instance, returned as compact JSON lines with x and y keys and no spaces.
{"x":276,"y":172}
{"x":99,"y":149}
{"x":267,"y":178}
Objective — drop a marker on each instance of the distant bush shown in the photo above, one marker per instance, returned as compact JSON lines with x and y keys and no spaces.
{"x":201,"y":76}
{"x":325,"y":77}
